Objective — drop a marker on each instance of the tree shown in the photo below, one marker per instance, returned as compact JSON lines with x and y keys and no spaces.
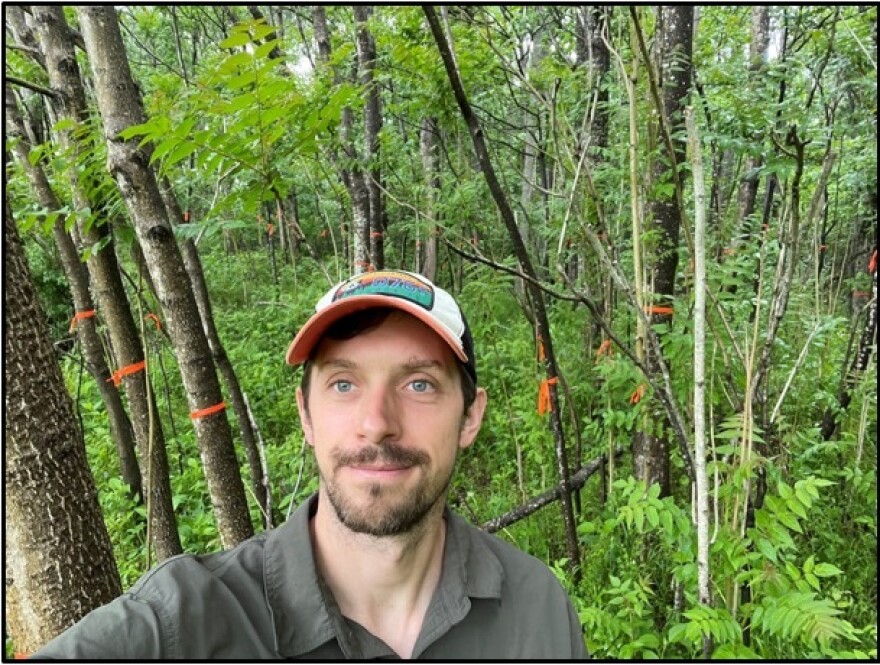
{"x":674,"y":38}
{"x":366,"y":53}
{"x":84,"y":308}
{"x":120,"y":106}
{"x":57,"y":47}
{"x":59,"y":561}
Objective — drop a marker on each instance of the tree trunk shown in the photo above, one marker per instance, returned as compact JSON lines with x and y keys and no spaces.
{"x":867,"y":343}
{"x":84,"y":321}
{"x":59,"y":560}
{"x":351,"y":176}
{"x":121,"y":107}
{"x":109,"y":291}
{"x":760,"y":41}
{"x":193,"y":263}
{"x":675,"y":39}
{"x":366,"y":50}
{"x":428,"y":145}
{"x":701,"y":486}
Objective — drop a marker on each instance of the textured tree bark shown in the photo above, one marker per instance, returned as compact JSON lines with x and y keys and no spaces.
{"x":428,"y":146}
{"x":701,"y":486}
{"x":86,"y":328}
{"x":193,"y":264}
{"x":351,"y":174}
{"x":675,"y":39}
{"x":366,"y":50}
{"x":109,"y":291}
{"x":59,"y":562}
{"x":120,"y":106}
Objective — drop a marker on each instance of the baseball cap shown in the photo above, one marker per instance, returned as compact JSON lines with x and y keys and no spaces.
{"x":396,"y":289}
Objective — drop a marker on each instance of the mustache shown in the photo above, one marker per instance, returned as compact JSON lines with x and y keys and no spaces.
{"x":386,"y":452}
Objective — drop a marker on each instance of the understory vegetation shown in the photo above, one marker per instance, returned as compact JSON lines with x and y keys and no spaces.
{"x":809,"y":560}
{"x":258,"y":125}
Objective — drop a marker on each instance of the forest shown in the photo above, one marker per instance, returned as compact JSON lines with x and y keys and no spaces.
{"x":660,"y":222}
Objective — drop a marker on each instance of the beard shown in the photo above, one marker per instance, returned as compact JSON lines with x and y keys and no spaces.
{"x":391,"y":511}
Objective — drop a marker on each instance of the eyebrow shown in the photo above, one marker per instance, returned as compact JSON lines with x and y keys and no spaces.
{"x":413,"y":365}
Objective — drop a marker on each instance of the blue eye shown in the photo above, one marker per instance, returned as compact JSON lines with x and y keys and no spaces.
{"x":421,"y":386}
{"x":342,"y":386}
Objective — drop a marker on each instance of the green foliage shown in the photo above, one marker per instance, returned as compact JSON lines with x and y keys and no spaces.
{"x":237,"y":129}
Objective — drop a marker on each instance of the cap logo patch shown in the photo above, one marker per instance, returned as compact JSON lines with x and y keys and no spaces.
{"x":393,"y":284}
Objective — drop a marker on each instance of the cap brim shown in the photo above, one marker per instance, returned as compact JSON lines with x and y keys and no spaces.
{"x":311,"y":333}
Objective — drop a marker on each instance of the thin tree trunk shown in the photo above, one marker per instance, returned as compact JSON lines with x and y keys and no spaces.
{"x":58,"y":555}
{"x":675,"y":38}
{"x":537,"y":297}
{"x":121,"y":107}
{"x":428,"y":145}
{"x":758,"y":47}
{"x":110,"y":293}
{"x":203,"y":301}
{"x":84,"y":321}
{"x":702,"y":480}
{"x":352,"y":177}
{"x":366,"y":50}
{"x":862,"y":358}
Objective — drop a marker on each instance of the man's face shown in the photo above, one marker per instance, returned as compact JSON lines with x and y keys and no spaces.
{"x":385,"y":417}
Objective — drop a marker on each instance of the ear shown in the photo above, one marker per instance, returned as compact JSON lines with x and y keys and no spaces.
{"x":304,"y":417}
{"x":473,"y":418}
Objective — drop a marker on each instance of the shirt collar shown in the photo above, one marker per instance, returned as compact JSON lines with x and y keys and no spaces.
{"x":300,"y":612}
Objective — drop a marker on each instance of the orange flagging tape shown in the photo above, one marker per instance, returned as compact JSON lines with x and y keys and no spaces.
{"x":116,"y":377}
{"x":211,"y":410}
{"x":637,"y":395}
{"x":604,"y":349}
{"x":861,"y":294}
{"x":544,"y":403}
{"x":872,"y":264}
{"x":79,"y":316}
{"x":658,"y":309}
{"x":186,"y":216}
{"x":155,"y":319}
{"x":376,"y":234}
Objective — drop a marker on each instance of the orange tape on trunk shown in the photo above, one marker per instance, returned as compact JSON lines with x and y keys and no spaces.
{"x":208,"y":411}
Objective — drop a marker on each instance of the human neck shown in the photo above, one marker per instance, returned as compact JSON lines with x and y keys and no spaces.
{"x":385,"y":584}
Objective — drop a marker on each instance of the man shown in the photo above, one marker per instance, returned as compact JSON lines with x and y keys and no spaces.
{"x":375,"y":565}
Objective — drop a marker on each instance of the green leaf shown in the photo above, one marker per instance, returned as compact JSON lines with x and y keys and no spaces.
{"x":183,"y":150}
{"x":789,"y":520}
{"x":236,"y":39}
{"x":766,"y":548}
{"x":827,"y":570}
{"x":796,"y":507}
{"x":676,"y":633}
{"x":809,"y":564}
{"x":264,"y":49}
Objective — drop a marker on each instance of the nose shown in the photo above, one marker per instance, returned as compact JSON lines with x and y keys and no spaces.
{"x":378,"y":415}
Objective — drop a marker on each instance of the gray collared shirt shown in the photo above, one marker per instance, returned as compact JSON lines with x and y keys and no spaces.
{"x":265,"y":599}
